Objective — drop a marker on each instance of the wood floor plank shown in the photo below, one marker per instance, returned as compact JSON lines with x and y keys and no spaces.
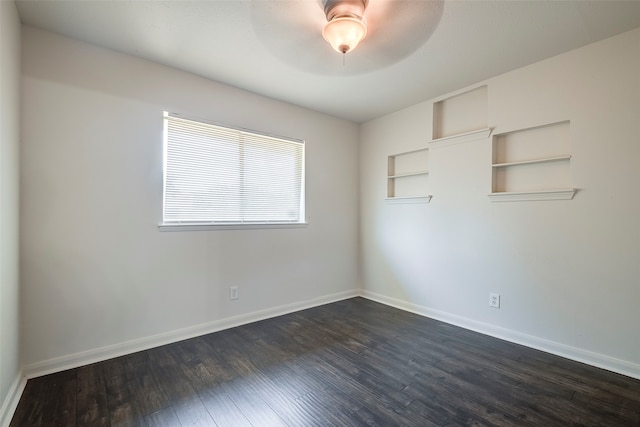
{"x":92,"y":408}
{"x":341,"y":375}
{"x":163,"y":418}
{"x":222,"y":409}
{"x":305,"y":380}
{"x":60,"y":399}
{"x":239,"y":358}
{"x":122,"y":405}
{"x":30,"y":408}
{"x":217,"y":368}
{"x":247,"y":397}
{"x":147,"y":392}
{"x":327,"y":408}
{"x":171,"y":376}
{"x":278,"y":388}
{"x":350,"y":363}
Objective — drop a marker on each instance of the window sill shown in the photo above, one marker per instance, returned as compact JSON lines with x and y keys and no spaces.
{"x":228,"y":226}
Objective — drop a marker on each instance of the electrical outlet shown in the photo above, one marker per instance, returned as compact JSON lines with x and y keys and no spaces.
{"x":233,"y":292}
{"x":494,"y":300}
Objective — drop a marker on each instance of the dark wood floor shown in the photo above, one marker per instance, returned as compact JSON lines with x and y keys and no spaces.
{"x":351,"y":363}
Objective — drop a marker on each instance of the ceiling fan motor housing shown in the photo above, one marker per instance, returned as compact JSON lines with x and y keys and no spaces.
{"x":346,"y":25}
{"x":344,"y":9}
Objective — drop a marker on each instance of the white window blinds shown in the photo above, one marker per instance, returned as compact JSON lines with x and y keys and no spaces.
{"x":214,"y":174}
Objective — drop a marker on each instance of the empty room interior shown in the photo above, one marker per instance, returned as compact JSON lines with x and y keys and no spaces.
{"x":464,"y":242}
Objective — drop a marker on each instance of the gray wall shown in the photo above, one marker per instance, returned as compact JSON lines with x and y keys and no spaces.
{"x":99,"y":278}
{"x":568,"y":270}
{"x":9,"y":204}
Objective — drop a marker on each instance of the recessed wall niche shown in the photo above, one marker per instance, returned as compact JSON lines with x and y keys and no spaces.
{"x":532,"y":163}
{"x":461,"y":113}
{"x":407,"y":175}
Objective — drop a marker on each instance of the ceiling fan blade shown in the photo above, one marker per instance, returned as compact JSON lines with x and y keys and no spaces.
{"x":292,"y":31}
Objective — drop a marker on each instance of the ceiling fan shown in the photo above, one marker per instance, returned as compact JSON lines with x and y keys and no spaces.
{"x":384,"y":32}
{"x":346,"y":25}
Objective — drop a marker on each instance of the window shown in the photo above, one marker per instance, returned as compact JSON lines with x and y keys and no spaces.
{"x":215,"y":175}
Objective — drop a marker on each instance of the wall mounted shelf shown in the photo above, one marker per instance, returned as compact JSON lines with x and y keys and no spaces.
{"x":410,"y":199}
{"x":532,"y":164}
{"x":566,"y":194}
{"x":407,"y":174}
{"x":460,"y":138}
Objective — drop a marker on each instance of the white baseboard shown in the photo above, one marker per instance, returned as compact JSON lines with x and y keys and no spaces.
{"x":623,"y":367}
{"x":99,"y":354}
{"x":108,"y":352}
{"x":10,"y":403}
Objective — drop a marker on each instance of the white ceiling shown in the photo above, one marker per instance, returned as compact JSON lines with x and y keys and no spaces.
{"x":275,"y":48}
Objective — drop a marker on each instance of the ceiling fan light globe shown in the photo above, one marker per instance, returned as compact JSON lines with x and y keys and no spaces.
{"x":344,"y":34}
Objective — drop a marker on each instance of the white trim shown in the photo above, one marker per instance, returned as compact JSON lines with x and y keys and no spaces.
{"x":12,"y":399}
{"x":409,"y":152}
{"x":108,"y":352}
{"x":521,"y":196}
{"x":531,"y":162}
{"x":402,"y":175}
{"x":409,"y":199}
{"x":501,"y":132}
{"x":623,"y":367}
{"x":460,"y":138}
{"x":235,"y":226}
{"x":195,"y":152}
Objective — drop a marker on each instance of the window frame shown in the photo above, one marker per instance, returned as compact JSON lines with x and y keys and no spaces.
{"x":229,"y":225}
